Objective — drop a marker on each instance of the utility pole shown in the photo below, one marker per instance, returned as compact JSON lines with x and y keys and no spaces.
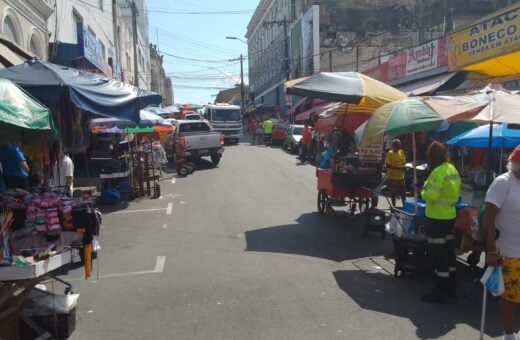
{"x":133,"y":7}
{"x":286,"y":43}
{"x":241,"y":84}
{"x":330,"y":61}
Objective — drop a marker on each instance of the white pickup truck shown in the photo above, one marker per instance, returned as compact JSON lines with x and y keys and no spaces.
{"x":199,"y":139}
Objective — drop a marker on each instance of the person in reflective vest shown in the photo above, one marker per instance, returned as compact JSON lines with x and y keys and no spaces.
{"x":441,"y":192}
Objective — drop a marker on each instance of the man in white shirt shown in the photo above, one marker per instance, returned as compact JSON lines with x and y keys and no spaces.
{"x":502,"y":206}
{"x":63,"y":172}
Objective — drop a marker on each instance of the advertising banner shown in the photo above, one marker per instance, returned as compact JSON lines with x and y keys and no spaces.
{"x":305,"y":47}
{"x":492,"y":36}
{"x":90,"y":47}
{"x":379,"y":72}
{"x":426,"y":57}
{"x":397,"y":66}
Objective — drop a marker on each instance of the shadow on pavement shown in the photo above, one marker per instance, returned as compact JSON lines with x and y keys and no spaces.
{"x":336,"y":239}
{"x":372,"y":286}
{"x":377,"y":291}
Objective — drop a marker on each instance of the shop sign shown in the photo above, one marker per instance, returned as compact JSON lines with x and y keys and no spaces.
{"x":512,"y":85}
{"x":492,"y":36}
{"x":397,"y":66}
{"x":379,"y":72}
{"x":426,"y":57}
{"x":90,"y":47}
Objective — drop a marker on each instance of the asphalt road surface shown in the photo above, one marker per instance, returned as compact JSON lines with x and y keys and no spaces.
{"x":239,"y":252}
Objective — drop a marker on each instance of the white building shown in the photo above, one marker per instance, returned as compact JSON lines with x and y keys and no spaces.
{"x":23,"y":30}
{"x":95,"y":35}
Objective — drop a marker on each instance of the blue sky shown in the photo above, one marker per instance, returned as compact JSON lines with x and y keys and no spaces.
{"x":191,"y":34}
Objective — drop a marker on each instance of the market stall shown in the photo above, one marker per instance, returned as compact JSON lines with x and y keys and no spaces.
{"x":38,"y":226}
{"x":346,"y":174}
{"x":144,"y":159}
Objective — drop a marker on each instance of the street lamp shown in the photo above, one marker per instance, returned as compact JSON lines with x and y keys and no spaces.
{"x":237,"y":38}
{"x":241,"y":75}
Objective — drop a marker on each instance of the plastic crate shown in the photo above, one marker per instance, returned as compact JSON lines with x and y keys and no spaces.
{"x":60,"y":326}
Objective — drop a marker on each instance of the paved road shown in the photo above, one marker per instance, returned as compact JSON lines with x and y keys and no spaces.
{"x":238,"y":252}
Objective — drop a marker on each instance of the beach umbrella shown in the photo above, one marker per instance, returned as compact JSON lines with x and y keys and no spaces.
{"x":490,"y":105}
{"x":504,"y":136}
{"x":365,"y":94}
{"x":400,"y":117}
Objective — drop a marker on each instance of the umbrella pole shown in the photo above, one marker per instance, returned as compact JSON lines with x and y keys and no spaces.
{"x":88,"y":172}
{"x":501,"y":157}
{"x":490,"y":153}
{"x":414,"y":156}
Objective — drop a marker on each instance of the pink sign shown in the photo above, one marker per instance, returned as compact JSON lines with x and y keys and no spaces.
{"x":379,"y":72}
{"x":397,"y":66}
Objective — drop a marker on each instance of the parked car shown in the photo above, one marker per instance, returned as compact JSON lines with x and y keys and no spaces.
{"x":279,"y":132}
{"x":293,"y":136}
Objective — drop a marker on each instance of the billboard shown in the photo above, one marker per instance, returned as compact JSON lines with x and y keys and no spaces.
{"x":425,"y":57}
{"x":305,"y":47}
{"x":492,"y":36}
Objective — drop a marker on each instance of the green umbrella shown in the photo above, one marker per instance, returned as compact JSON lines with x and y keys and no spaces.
{"x":21,"y":114}
{"x":400,"y":117}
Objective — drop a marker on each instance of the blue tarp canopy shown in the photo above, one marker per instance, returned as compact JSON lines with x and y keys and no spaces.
{"x":504,"y":136}
{"x":90,"y":92}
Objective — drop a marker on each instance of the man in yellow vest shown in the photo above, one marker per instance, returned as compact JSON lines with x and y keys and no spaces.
{"x":267,"y":126}
{"x":441,"y":192}
{"x":394,"y":162}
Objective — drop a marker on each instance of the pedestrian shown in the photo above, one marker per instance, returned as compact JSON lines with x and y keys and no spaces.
{"x":501,"y":213}
{"x":395,"y":166}
{"x":441,"y":192}
{"x":63,"y":171}
{"x":252,"y":130}
{"x":14,"y":167}
{"x":306,"y":143}
{"x":267,"y":127}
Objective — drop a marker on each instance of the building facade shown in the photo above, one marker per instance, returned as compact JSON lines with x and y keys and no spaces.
{"x":348,"y":35}
{"x":23,"y":30}
{"x":268,"y":51}
{"x":158,"y":80}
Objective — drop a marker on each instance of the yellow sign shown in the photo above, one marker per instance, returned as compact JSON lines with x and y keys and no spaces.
{"x":492,"y":36}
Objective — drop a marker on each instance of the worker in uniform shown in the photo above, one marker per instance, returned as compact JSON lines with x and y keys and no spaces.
{"x":441,"y":192}
{"x":395,"y":165}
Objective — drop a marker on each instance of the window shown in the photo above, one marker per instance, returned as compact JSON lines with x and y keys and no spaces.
{"x":9,"y":30}
{"x":101,"y":5}
{"x":102,"y":49}
{"x":36,"y":46}
{"x":76,"y":19}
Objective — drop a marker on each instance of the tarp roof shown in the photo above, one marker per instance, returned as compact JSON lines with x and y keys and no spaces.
{"x":88,"y":91}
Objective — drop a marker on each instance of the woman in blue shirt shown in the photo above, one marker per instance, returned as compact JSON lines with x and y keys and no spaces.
{"x":14,"y":167}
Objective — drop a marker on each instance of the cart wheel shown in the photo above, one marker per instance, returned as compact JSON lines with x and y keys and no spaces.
{"x":191,"y":167}
{"x":183,"y":170}
{"x":322,"y":201}
{"x":473,"y":259}
{"x":329,"y":211}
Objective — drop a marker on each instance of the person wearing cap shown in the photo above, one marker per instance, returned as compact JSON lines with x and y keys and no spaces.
{"x":394,"y":162}
{"x":441,"y":192}
{"x":501,"y":213}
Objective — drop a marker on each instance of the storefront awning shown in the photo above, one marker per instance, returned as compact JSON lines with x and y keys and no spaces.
{"x":502,"y":66}
{"x":315,"y":110}
{"x":427,"y":86}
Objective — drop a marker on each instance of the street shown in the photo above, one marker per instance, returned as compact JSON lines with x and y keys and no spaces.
{"x":239,"y":252}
